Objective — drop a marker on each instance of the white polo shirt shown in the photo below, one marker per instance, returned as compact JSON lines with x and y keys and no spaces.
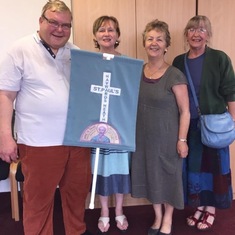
{"x":42,"y":83}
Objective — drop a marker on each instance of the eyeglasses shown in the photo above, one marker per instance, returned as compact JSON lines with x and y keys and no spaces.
{"x":56,"y":24}
{"x":198,"y":30}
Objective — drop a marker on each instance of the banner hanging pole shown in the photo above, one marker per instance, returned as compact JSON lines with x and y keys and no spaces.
{"x":92,"y":199}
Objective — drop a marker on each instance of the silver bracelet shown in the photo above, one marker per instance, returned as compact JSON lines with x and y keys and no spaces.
{"x":182,"y":140}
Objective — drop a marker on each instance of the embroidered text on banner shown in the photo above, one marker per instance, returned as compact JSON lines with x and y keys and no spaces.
{"x":103,"y":101}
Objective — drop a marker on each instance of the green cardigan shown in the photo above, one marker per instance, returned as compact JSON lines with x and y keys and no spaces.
{"x":217,"y":85}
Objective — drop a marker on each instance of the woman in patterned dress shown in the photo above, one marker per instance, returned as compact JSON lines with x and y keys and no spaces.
{"x":207,"y":174}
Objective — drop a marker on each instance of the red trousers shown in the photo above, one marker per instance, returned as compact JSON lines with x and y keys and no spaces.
{"x":44,"y":169}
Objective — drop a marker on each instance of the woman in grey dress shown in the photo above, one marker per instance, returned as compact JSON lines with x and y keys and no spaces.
{"x":162,"y":126}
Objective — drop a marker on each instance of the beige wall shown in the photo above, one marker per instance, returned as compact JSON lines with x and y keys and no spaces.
{"x":132,"y":15}
{"x":86,"y":12}
{"x":175,"y":13}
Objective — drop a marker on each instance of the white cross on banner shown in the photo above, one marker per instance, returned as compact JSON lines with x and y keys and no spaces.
{"x":106,"y":91}
{"x":102,"y":101}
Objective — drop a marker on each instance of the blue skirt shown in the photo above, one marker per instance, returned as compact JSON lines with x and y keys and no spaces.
{"x":113,"y":171}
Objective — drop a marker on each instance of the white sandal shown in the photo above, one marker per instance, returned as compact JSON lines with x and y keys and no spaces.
{"x":105,"y":221}
{"x":120,"y":219}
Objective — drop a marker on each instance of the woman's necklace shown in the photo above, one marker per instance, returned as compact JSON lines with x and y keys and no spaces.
{"x":157,"y":70}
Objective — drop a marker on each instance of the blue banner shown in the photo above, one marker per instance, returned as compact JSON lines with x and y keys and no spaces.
{"x":103,"y":100}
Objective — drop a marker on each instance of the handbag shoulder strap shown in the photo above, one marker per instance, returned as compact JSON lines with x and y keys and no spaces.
{"x":191,"y":83}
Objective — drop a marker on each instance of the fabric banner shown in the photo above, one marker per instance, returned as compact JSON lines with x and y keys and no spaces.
{"x":103,"y":100}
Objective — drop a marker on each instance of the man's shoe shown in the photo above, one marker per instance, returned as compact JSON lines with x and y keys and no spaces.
{"x":86,"y":233}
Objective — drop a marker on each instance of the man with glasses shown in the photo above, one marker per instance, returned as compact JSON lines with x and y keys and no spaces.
{"x":35,"y":75}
